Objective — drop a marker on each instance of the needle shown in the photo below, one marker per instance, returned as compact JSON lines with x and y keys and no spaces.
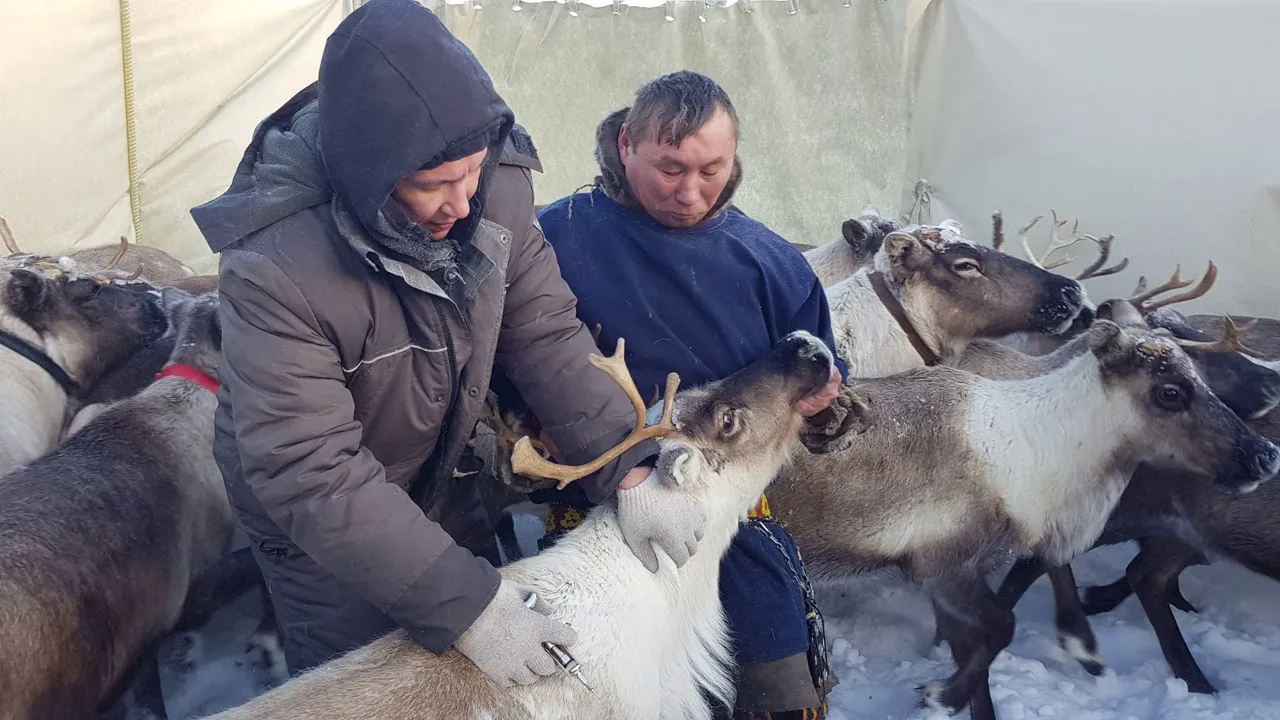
{"x":562,"y":657}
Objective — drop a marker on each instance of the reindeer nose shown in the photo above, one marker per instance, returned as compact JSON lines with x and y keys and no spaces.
{"x":1071,"y":293}
{"x":1266,"y":462}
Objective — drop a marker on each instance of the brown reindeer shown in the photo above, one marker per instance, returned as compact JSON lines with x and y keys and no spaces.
{"x":59,"y":336}
{"x":101,"y":538}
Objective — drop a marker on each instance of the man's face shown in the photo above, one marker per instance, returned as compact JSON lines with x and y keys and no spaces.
{"x":678,"y":186}
{"x":439,"y":197}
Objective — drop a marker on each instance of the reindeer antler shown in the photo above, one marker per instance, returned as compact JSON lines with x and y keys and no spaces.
{"x":7,"y":235}
{"x":595,"y":334}
{"x":1095,"y":268}
{"x":1142,"y":295}
{"x":1230,"y":341}
{"x":115,"y":259}
{"x":997,"y":231}
{"x":1026,"y":245}
{"x":526,"y":461}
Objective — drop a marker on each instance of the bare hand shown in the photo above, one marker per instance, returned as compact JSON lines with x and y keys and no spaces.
{"x":633,"y":478}
{"x":820,"y":401}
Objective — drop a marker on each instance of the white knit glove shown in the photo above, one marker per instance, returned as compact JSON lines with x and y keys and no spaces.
{"x":652,"y":513}
{"x":505,"y":642}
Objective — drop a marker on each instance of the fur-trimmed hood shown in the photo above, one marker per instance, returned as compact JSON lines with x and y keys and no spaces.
{"x":612,"y":180}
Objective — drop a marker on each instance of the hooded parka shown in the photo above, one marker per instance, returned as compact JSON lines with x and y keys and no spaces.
{"x":357,"y":353}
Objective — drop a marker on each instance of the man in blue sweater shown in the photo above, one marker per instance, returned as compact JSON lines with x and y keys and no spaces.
{"x":656,"y":254}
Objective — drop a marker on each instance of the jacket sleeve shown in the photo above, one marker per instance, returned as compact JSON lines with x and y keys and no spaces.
{"x":814,"y":316}
{"x":543,"y":349}
{"x":301,"y":451}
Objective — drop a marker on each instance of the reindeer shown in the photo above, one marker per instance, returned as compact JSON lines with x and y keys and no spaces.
{"x":650,"y":644}
{"x":1176,"y":517}
{"x":957,"y":472}
{"x":101,"y":538}
{"x":111,"y":262}
{"x":933,"y":291}
{"x":58,"y":336}
{"x":862,"y":237}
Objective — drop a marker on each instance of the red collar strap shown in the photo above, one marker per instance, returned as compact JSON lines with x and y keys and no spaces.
{"x":190,"y":373}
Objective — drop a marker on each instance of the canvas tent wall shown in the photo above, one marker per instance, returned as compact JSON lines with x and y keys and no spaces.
{"x":1103,"y":110}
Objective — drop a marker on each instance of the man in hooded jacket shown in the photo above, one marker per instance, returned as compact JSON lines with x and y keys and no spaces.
{"x":379,"y":258}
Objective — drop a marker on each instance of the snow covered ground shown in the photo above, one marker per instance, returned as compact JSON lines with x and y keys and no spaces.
{"x":880,"y":631}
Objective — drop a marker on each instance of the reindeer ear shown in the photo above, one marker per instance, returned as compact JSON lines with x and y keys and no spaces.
{"x":905,"y":251}
{"x":1120,"y":312}
{"x":1111,"y":344}
{"x":836,"y":428}
{"x":677,"y":466}
{"x":856,"y":232}
{"x":27,"y":293}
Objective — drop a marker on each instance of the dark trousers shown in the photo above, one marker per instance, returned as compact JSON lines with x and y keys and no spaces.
{"x":319,"y":617}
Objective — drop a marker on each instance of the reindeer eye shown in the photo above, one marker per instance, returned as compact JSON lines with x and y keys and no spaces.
{"x":1171,"y":397}
{"x":728,"y":421}
{"x":965,"y":267}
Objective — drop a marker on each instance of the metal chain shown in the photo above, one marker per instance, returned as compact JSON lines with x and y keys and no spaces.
{"x":819,"y":663}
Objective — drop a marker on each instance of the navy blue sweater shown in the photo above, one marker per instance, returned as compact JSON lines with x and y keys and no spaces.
{"x":702,"y":302}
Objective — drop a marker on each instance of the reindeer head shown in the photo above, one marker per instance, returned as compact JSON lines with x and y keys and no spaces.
{"x":732,"y":435}
{"x":1185,"y":426}
{"x":742,"y":429}
{"x":84,"y":325}
{"x":865,"y":234}
{"x":973,"y":291}
{"x":1249,"y":389}
{"x":196,"y":328}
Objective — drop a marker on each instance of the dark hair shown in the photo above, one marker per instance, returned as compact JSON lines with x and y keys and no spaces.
{"x":672,"y":107}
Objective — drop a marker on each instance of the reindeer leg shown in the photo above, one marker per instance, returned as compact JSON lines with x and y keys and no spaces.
{"x":1075,"y":635}
{"x":1019,"y":579}
{"x":1177,"y":600}
{"x":142,"y":680}
{"x":1151,"y":573}
{"x":1105,"y":598}
{"x":977,"y":628}
{"x":229,"y":578}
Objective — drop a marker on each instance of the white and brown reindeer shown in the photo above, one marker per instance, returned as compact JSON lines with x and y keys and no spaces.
{"x":102,"y":539}
{"x":59,"y":334}
{"x":932,"y":291}
{"x":650,"y":644}
{"x":957,"y":472}
{"x":1178,"y":518}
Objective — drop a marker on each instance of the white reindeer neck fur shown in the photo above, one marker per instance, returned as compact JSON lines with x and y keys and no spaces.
{"x":34,"y":404}
{"x":832,"y":262}
{"x":1029,"y":434}
{"x":604,"y":607}
{"x":868,"y":337}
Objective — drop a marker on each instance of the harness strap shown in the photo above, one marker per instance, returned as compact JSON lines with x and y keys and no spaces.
{"x":894,"y":307}
{"x":41,"y":359}
{"x":189,"y":373}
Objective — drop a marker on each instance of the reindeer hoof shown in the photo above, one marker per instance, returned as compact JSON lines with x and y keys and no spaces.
{"x":1088,"y":658}
{"x":934,"y":696}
